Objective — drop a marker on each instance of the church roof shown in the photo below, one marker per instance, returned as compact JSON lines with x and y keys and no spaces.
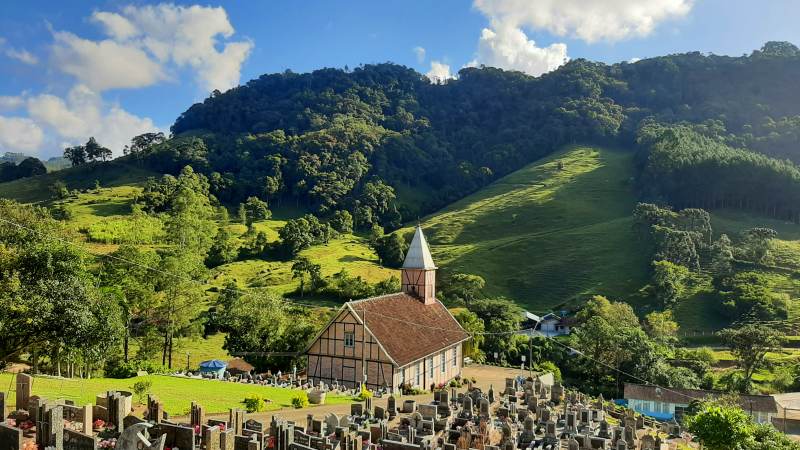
{"x":418,"y":255}
{"x":406,"y":328}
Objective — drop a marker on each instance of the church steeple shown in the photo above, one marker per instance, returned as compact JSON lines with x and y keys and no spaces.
{"x":418,"y":275}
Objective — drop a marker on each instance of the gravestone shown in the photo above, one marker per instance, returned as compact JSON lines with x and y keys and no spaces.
{"x":130,"y":421}
{"x":24,"y":387}
{"x":211,"y":438}
{"x":483,"y":407}
{"x":236,"y":420}
{"x":331,"y":422}
{"x":647,"y":442}
{"x":409,"y":406}
{"x":74,"y":440}
{"x":621,"y":445}
{"x":133,"y":438}
{"x":198,"y":415}
{"x":466,"y":406}
{"x":573,"y":445}
{"x":10,"y":437}
{"x":226,"y":440}
{"x":50,"y":426}
{"x":391,"y":406}
{"x":380,"y":413}
{"x":604,"y":431}
{"x":176,"y":435}
{"x":116,"y":409}
{"x":356,"y":409}
{"x":428,"y":411}
{"x":155,"y":409}
{"x":254,"y":425}
{"x":491,"y":394}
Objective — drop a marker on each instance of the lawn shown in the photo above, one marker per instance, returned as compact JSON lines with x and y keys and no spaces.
{"x":176,"y":393}
{"x":546,"y":236}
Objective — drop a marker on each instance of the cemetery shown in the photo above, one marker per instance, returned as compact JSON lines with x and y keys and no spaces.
{"x":526,"y":413}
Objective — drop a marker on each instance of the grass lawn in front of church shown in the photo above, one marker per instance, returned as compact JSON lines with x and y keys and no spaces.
{"x":175,"y":392}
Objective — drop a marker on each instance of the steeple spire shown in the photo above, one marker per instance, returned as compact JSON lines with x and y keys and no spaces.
{"x":419,"y":254}
{"x":418,"y":275}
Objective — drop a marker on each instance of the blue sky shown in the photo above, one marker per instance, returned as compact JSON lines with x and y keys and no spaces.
{"x":113,"y":69}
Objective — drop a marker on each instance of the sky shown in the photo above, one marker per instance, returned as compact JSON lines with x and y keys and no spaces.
{"x":114,"y":69}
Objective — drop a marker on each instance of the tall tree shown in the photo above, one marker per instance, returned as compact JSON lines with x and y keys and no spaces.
{"x":750,"y":344}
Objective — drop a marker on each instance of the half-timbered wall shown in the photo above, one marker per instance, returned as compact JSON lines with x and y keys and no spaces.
{"x":408,"y":373}
{"x":329,"y":359}
{"x":420,"y":283}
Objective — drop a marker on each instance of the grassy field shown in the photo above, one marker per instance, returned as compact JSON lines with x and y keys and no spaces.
{"x":176,"y":393}
{"x":37,"y":189}
{"x":545,"y":236}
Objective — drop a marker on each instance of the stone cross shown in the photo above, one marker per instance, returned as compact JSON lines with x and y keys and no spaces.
{"x":24,"y":387}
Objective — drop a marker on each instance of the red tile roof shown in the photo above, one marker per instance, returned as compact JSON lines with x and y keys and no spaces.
{"x":408,"y":329}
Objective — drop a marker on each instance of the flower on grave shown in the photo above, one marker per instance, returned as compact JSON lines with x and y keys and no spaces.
{"x":11,"y":422}
{"x":197,"y":429}
{"x":27,"y":425}
{"x":107,"y":443}
{"x":99,"y":423}
{"x":222,"y":427}
{"x":30,"y":445}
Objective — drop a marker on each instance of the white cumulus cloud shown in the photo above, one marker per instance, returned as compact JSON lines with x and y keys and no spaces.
{"x":509,"y":48}
{"x":195,"y":37}
{"x":590,"y":21}
{"x":105,"y":64}
{"x":83,"y":114}
{"x":20,"y":134}
{"x":439,"y":73}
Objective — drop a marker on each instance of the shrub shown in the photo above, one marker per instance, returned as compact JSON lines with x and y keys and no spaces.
{"x":300,"y":400}
{"x":116,"y":368}
{"x":254,"y":403}
{"x":141,"y":388}
{"x":364,"y":394}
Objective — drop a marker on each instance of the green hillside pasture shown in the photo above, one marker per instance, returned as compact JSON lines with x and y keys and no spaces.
{"x":545,"y":236}
{"x":176,"y":393}
{"x":347,"y":252}
{"x":140,"y":229}
{"x":198,"y":349}
{"x":37,"y":189}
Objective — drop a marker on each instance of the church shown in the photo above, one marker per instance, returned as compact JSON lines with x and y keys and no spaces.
{"x":394,"y":339}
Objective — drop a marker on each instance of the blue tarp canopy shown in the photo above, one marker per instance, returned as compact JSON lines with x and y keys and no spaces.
{"x":213,"y":365}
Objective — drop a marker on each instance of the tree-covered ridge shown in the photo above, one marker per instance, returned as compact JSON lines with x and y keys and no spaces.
{"x":332,"y":139}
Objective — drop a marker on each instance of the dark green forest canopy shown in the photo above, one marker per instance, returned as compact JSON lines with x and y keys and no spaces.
{"x":327,"y":138}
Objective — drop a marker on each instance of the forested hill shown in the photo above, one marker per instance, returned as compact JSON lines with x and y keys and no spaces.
{"x":384,"y":143}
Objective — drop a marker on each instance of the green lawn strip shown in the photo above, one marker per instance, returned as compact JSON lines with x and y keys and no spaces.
{"x":176,"y":393}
